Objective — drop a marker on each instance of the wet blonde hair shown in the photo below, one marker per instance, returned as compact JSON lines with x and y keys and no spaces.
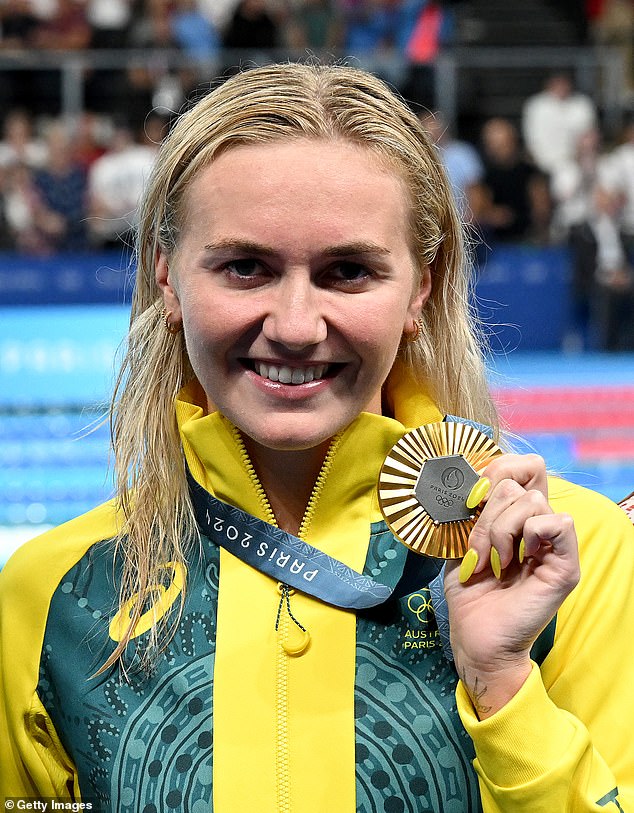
{"x":260,"y":105}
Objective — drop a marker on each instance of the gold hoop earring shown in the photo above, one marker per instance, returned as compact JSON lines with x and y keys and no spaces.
{"x":410,"y":338}
{"x":171,"y":329}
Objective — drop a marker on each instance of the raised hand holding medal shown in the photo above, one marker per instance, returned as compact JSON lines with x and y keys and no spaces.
{"x":427,"y":484}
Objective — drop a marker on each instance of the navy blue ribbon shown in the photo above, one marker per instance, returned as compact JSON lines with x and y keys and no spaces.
{"x":290,"y":560}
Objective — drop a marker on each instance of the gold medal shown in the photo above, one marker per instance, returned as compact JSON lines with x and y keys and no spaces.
{"x":424,"y":484}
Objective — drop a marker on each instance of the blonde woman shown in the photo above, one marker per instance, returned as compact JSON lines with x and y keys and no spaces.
{"x":240,"y":629}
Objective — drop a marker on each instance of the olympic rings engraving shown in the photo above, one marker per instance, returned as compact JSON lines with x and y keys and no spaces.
{"x":420,"y":604}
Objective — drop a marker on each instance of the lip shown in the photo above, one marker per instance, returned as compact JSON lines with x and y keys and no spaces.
{"x":287,"y":389}
{"x":288,"y":392}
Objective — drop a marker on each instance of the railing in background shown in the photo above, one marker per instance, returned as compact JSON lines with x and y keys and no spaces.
{"x":597,"y":71}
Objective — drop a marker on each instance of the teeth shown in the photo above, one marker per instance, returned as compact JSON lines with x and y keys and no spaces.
{"x":290,"y":375}
{"x":285,"y":375}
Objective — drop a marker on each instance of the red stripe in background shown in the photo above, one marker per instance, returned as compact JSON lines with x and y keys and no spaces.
{"x":601,"y":419}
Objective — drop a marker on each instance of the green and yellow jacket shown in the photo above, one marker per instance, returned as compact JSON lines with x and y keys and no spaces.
{"x":364,"y":712}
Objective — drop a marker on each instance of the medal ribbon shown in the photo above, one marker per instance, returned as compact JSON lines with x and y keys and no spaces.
{"x":291,"y":561}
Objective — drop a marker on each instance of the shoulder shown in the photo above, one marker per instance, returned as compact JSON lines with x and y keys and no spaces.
{"x":595,"y":515}
{"x":28,"y":583}
{"x":33,"y":572}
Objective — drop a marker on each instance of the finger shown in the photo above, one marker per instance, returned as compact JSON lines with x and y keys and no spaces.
{"x":529,"y":470}
{"x":509,"y":526}
{"x":501,"y":523}
{"x":556,"y":531}
{"x":499,"y":499}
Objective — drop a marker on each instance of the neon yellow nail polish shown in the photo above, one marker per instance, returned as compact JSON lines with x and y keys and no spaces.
{"x":496,"y":564}
{"x":478,"y":492}
{"x":521,"y":552}
{"x":468,"y":565}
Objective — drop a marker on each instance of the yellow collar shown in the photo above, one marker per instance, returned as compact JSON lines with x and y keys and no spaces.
{"x":218,"y":462}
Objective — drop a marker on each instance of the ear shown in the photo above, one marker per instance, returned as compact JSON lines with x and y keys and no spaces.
{"x":419,"y":298}
{"x":170,"y":295}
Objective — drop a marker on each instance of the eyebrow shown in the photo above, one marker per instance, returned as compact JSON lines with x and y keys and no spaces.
{"x":243,"y":246}
{"x":344,"y":250}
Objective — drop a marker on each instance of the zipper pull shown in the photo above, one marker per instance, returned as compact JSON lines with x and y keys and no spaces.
{"x":295,"y":639}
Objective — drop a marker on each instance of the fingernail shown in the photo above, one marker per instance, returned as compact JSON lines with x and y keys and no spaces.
{"x":496,"y":564}
{"x":468,"y":565}
{"x":478,"y":492}
{"x":521,"y":550}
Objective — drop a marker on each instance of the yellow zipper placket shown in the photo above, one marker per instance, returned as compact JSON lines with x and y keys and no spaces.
{"x":286,"y":624}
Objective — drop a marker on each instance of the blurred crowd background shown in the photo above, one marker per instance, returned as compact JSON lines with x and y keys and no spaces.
{"x":531,"y":104}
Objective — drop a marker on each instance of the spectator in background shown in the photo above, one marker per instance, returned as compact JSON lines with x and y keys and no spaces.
{"x":6,"y":241}
{"x":218,"y":12}
{"x":251,"y":27}
{"x":377,"y":32}
{"x":553,"y":120}
{"x":370,"y":26}
{"x":585,"y":216}
{"x":109,"y":21}
{"x":193,"y":32}
{"x":19,"y":145}
{"x":91,"y":133}
{"x":429,"y":26}
{"x":614,"y":26}
{"x":461,"y":159}
{"x":18,"y":24}
{"x":116,"y":182}
{"x":29,"y":225}
{"x":512,"y":202}
{"x":151,"y":26}
{"x":150,"y":82}
{"x":619,"y":184}
{"x":315,"y":25}
{"x":62,"y":187}
{"x":67,"y":29}
{"x":619,"y":180}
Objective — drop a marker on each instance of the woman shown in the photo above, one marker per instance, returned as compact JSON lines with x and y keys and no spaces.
{"x":301,"y":298}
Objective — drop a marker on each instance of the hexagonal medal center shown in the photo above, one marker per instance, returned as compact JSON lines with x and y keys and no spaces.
{"x":443,"y":486}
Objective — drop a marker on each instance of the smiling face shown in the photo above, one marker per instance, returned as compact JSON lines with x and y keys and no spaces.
{"x":294,"y":280}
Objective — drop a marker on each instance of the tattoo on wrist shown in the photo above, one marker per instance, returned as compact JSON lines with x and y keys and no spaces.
{"x":476,"y":692}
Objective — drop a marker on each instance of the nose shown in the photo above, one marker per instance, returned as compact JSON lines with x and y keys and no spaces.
{"x":295,"y":313}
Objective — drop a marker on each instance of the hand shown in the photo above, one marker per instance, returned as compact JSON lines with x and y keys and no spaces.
{"x":498,"y":611}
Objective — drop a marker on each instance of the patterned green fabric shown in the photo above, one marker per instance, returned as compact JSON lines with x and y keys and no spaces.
{"x":412,"y":751}
{"x":145,"y":746}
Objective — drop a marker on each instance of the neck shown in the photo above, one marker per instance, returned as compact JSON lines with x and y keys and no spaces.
{"x":288,"y":478}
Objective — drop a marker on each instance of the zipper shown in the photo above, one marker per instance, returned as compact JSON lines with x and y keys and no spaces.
{"x":320,"y":482}
{"x":286,"y":624}
{"x":253,"y":476}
